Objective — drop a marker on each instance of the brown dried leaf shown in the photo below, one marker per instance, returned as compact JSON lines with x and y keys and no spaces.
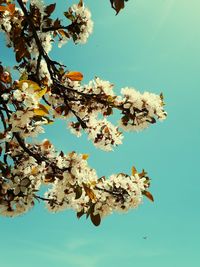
{"x":96,"y":219}
{"x":117,"y":5}
{"x":63,"y":33}
{"x":50,"y":9}
{"x":133,"y":171}
{"x":5,"y":77}
{"x":80,"y":213}
{"x":80,"y":4}
{"x":89,"y":192}
{"x":148,"y":195}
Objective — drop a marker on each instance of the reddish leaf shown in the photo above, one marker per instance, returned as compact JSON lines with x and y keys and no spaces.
{"x":74,"y":76}
{"x":10,"y":8}
{"x":50,"y":9}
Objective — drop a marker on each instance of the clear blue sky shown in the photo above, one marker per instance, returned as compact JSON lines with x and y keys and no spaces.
{"x":152,"y":45}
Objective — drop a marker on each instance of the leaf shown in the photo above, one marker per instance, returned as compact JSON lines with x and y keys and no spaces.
{"x":41,"y":92}
{"x":96,"y":219}
{"x":57,"y":23}
{"x":24,"y":76}
{"x":19,"y":55}
{"x":117,"y":5}
{"x":85,"y":156}
{"x":80,"y":214}
{"x":108,"y":112}
{"x":69,"y":15}
{"x":142,"y":174}
{"x":133,"y":171}
{"x":89,"y":192}
{"x":3,"y":8}
{"x":63,"y":33}
{"x":49,"y":178}
{"x":34,"y":170}
{"x":148,"y":195}
{"x":42,"y":110}
{"x":50,"y":9}
{"x":110,"y":99}
{"x":74,"y":76}
{"x":5,"y":77}
{"x":46,"y":144}
{"x":25,"y":182}
{"x":80,"y":4}
{"x":31,"y":84}
{"x":10,"y":8}
{"x":90,"y":210}
{"x":78,"y":191}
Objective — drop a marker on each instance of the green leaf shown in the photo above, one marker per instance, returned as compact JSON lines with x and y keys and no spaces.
{"x":78,"y":190}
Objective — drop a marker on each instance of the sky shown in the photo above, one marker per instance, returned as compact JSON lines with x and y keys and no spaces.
{"x":154,"y":46}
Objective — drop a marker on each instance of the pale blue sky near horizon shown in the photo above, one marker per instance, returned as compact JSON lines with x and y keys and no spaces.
{"x":154,"y":46}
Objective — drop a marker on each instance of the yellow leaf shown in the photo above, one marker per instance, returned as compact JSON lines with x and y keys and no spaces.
{"x":41,"y":92}
{"x":41,"y":110}
{"x":134,"y":171}
{"x":63,"y":33}
{"x":93,"y":183}
{"x":110,"y":99}
{"x":74,"y":76}
{"x":24,"y":76}
{"x":34,"y":170}
{"x":85,"y":156}
{"x":31,"y":84}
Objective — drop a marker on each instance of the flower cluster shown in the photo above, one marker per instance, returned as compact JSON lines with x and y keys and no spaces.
{"x":140,"y":110}
{"x":19,"y":184}
{"x":81,"y":190}
{"x":74,"y":185}
{"x":81,"y":17}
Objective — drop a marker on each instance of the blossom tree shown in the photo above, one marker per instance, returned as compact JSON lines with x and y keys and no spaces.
{"x":46,"y":91}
